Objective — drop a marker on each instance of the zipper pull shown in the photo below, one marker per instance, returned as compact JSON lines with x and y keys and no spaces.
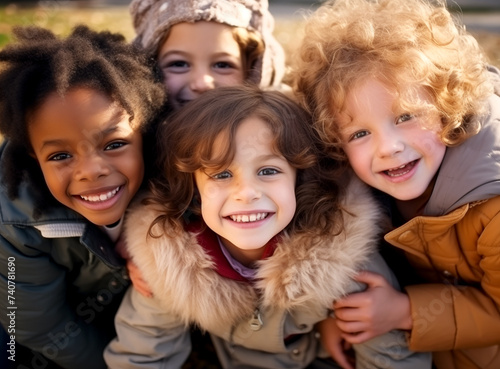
{"x":256,"y":322}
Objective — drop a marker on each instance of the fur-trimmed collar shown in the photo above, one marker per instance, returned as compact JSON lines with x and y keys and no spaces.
{"x":182,"y":274}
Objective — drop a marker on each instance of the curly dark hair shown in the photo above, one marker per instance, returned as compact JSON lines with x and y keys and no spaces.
{"x":186,"y":143}
{"x":39,"y":64}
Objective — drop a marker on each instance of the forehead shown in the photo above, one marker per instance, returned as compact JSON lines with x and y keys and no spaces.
{"x":79,"y":101}
{"x":82,"y":109}
{"x":251,"y":135}
{"x":200,"y":36}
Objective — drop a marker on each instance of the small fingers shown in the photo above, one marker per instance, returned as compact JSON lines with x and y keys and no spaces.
{"x":359,"y":337}
{"x":371,"y":279}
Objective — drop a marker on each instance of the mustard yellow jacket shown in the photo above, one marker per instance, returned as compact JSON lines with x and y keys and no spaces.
{"x":458,"y":315}
{"x":455,"y":249}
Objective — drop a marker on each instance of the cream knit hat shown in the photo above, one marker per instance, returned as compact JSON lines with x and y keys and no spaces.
{"x":153,"y":18}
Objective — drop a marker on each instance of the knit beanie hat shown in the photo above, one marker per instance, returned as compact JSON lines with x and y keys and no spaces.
{"x":153,"y":18}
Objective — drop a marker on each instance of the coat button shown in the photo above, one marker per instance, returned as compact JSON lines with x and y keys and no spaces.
{"x":295,"y":352}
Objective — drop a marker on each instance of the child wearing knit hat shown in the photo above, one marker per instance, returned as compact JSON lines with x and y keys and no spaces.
{"x":202,"y":44}
{"x":198,"y":45}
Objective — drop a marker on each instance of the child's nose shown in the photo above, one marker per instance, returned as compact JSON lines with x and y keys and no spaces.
{"x":246,"y":191}
{"x":90,"y":168}
{"x":202,"y":81}
{"x":390,"y":145}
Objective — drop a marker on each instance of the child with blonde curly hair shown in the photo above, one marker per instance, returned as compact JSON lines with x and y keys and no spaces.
{"x":403,"y":93}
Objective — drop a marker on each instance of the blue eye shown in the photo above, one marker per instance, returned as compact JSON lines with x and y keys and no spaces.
{"x":268,"y":172}
{"x":358,"y":134}
{"x":404,"y":118}
{"x":222,"y":175}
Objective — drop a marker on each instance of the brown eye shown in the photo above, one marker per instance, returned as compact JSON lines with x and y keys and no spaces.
{"x":59,"y":156}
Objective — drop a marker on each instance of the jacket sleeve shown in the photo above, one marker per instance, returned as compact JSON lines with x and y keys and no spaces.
{"x":147,"y":336}
{"x":35,"y":308}
{"x":389,"y":350}
{"x":447,"y":316}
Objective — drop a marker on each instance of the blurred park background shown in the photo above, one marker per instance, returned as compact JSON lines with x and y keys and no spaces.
{"x":481,"y":17}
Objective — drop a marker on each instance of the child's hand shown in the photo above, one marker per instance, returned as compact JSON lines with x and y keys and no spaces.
{"x":330,"y":337}
{"x":133,"y":271}
{"x":375,"y":311}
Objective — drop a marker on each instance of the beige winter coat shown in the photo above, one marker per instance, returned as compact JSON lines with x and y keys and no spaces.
{"x":267,"y":324}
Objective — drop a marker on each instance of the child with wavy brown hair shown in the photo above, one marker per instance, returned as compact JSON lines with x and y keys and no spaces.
{"x":403,"y":93}
{"x":249,"y":233}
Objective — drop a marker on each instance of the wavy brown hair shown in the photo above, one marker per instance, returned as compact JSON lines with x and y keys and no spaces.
{"x":406,"y":45}
{"x":251,"y":48}
{"x":186,"y":143}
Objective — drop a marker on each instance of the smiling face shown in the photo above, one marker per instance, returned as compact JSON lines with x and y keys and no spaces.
{"x":395,"y":151}
{"x":90,"y":156}
{"x":254,"y":198}
{"x":197,"y":57}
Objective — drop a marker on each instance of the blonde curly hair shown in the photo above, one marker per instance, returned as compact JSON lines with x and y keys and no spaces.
{"x":407,"y":46}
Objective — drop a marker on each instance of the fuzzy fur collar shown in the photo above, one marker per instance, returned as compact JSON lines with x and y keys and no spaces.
{"x":182,"y":275}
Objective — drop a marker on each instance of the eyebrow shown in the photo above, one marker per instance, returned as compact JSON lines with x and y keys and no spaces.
{"x":185,"y":54}
{"x":111,"y":127}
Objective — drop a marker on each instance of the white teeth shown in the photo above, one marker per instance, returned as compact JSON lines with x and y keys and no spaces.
{"x":390,"y":174}
{"x":248,"y":218}
{"x":101,"y":197}
{"x":397,"y":174}
{"x":401,"y":167}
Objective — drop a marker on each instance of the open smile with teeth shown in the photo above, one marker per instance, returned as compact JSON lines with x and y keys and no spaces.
{"x":101,"y":197}
{"x":247,"y":218}
{"x":402,"y":170}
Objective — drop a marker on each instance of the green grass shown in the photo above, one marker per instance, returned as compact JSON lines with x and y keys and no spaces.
{"x":62,"y":18}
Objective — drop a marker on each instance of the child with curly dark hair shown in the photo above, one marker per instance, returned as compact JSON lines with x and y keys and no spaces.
{"x":73,"y":113}
{"x":249,"y":233}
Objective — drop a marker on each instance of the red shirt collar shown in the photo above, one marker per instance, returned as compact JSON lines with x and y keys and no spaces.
{"x":209,"y":241}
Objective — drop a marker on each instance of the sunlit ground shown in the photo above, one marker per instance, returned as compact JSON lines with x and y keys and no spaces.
{"x":61,"y":19}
